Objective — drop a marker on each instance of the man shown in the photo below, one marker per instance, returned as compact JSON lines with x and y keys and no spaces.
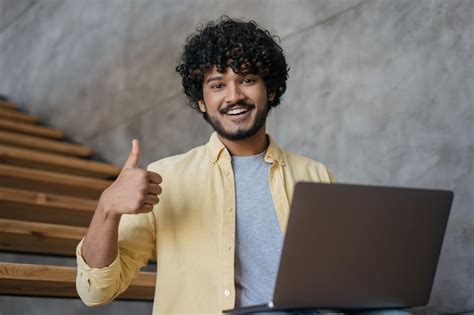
{"x":217,"y":227}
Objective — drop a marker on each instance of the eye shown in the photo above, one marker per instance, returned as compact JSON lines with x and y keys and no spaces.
{"x":216,"y":86}
{"x":248,"y":81}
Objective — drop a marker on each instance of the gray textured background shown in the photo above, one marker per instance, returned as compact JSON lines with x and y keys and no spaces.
{"x":381,"y":91}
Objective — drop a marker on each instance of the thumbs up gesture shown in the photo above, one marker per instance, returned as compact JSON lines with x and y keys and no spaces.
{"x":134,"y":191}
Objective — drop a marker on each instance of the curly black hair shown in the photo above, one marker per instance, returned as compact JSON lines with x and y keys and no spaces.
{"x":243,"y":46}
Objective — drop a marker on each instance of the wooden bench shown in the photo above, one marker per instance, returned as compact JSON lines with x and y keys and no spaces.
{"x":42,"y":280}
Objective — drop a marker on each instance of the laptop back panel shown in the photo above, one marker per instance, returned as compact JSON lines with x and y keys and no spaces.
{"x":361,"y":247}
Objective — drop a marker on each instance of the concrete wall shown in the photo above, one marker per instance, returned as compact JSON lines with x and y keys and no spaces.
{"x":380,"y":90}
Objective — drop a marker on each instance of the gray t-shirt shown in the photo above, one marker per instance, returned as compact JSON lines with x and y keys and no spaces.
{"x":259,"y":238}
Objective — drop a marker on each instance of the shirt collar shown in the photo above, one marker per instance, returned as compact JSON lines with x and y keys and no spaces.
{"x":216,"y":149}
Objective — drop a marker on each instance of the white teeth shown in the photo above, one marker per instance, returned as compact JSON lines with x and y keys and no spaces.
{"x":237,"y":111}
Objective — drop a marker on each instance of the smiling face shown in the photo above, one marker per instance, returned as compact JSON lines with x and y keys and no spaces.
{"x":236,"y":106}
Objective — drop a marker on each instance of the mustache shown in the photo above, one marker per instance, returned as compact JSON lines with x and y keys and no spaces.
{"x":245,"y":104}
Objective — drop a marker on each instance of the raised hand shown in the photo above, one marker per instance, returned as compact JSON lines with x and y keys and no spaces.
{"x":134,"y":191}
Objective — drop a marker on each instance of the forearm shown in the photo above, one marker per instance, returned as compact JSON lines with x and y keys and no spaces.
{"x":99,"y":248}
{"x":100,"y":275}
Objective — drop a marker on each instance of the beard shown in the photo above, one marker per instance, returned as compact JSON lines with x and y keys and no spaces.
{"x":240,"y":134}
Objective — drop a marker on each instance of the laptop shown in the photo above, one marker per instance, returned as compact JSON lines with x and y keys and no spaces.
{"x":356,"y":247}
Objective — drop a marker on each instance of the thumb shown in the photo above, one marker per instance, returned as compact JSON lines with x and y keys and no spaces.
{"x":134,"y":157}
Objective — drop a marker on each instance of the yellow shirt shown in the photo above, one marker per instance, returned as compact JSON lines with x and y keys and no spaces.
{"x":192,"y":230}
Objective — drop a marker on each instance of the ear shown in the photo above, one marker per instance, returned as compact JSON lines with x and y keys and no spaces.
{"x":271,"y":96}
{"x":202,"y":106}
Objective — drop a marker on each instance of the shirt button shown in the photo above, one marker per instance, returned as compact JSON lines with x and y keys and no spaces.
{"x":229,"y":247}
{"x":226,"y":292}
{"x":231,"y":209}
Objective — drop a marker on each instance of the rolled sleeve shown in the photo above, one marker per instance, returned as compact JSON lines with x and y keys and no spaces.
{"x":136,"y":245}
{"x":97,"y":286}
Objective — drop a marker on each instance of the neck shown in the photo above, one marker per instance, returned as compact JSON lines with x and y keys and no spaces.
{"x":250,"y":146}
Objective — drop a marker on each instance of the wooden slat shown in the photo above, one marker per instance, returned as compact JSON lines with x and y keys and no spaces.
{"x":6,"y":105}
{"x":44,"y":238}
{"x":48,"y":208}
{"x":42,"y":144}
{"x":51,"y":182}
{"x":53,"y":162}
{"x":18,"y":116}
{"x":42,"y":223}
{"x":30,"y":129}
{"x":43,"y":280}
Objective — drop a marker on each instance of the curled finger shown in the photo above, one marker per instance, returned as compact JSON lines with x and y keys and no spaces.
{"x":153,"y":177}
{"x":154,"y":189}
{"x":146,"y":207}
{"x":151,"y":199}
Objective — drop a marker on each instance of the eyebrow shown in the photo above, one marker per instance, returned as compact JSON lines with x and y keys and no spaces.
{"x":214,"y":78}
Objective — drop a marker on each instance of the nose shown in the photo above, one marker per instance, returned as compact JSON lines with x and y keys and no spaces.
{"x":234,"y":93}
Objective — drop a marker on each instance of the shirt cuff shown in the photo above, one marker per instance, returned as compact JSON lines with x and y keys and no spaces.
{"x":97,"y":286}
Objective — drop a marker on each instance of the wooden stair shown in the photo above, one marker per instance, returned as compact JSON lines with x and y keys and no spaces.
{"x":28,"y":129}
{"x":12,"y":155}
{"x":51,"y":182}
{"x":33,"y":237}
{"x":42,"y":280}
{"x":17,"y":116}
{"x":47,"y":208}
{"x":42,"y":144}
{"x":7,"y":105}
{"x":48,"y":194}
